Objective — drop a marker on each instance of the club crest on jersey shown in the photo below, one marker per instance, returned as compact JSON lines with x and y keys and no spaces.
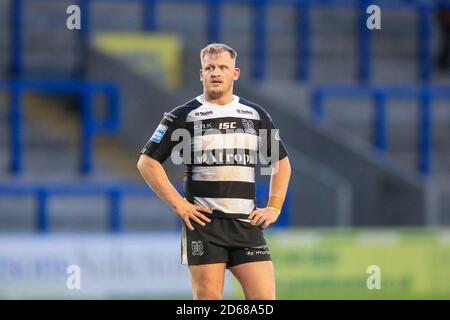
{"x":159,"y":133}
{"x":197,"y":248}
{"x":248,"y":126}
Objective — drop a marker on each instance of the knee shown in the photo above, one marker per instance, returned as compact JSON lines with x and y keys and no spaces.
{"x":203,"y":293}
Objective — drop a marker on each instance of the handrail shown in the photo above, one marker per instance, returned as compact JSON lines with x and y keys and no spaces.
{"x":42,"y":192}
{"x":90,"y":126}
{"x":328,"y":178}
{"x":425,"y":95}
{"x":114,"y":192}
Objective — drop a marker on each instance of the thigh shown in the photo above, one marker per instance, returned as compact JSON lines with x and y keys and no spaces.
{"x":207,"y":280}
{"x":257,"y":279}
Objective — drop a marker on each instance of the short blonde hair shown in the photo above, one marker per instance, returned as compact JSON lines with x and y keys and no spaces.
{"x":216,"y":48}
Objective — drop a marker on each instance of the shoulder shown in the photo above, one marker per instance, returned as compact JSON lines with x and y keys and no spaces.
{"x":263,"y":113}
{"x":180,"y":112}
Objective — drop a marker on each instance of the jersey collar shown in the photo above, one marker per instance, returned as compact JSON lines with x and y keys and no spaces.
{"x":201,"y":99}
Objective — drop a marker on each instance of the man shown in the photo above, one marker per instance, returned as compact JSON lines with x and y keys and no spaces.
{"x":222,"y":227}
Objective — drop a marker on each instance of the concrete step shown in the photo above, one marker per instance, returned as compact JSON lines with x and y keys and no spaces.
{"x":17,"y":213}
{"x":61,"y":39}
{"x":46,"y":14}
{"x":123,"y":16}
{"x":334,"y":46}
{"x":441,"y":177}
{"x":402,"y":128}
{"x":74,"y":214}
{"x":357,"y":115}
{"x":440,"y":161}
{"x":62,"y":128}
{"x":51,"y":135}
{"x":334,"y":43}
{"x":192,"y":20}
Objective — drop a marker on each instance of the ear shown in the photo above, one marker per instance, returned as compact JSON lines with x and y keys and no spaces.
{"x":236,"y":73}
{"x":201,"y":75}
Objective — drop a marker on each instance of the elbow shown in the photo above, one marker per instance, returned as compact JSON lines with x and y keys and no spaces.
{"x":145,"y":163}
{"x":140,"y":164}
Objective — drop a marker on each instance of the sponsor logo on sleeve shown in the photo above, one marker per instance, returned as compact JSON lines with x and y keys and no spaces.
{"x":159,"y":133}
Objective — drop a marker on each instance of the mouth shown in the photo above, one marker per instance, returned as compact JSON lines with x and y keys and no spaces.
{"x":216,"y":81}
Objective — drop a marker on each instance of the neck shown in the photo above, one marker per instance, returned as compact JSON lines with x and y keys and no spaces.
{"x":222,"y":100}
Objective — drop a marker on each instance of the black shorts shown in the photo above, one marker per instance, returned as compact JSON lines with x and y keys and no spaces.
{"x":223,"y":240}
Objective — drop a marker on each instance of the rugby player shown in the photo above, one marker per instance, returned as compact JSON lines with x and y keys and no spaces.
{"x":222,"y":227}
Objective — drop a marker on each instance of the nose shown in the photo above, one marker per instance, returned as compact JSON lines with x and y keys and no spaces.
{"x":215,"y":72}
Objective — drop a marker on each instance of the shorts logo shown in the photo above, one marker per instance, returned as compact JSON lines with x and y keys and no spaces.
{"x":248,"y":126}
{"x":159,"y":133}
{"x":197,"y":248}
{"x":248,"y":252}
{"x":256,"y":251}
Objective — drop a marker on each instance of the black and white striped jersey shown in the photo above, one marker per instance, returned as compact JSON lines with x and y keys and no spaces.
{"x":224,"y":145}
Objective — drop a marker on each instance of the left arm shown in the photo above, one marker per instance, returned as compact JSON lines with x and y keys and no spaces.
{"x":279,"y":182}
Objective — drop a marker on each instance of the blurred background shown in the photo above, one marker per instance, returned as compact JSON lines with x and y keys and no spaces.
{"x":365,"y":115}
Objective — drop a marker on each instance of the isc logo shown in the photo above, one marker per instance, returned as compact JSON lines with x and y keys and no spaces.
{"x":227,"y":125}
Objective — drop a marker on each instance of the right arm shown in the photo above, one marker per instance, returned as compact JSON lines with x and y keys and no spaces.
{"x":155,"y":176}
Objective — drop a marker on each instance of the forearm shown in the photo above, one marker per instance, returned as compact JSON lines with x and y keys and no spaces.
{"x":279,"y":181}
{"x":155,"y":176}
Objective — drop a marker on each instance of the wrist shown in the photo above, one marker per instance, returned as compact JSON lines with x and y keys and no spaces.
{"x":276,"y":210}
{"x":177,"y":203}
{"x":275,"y":202}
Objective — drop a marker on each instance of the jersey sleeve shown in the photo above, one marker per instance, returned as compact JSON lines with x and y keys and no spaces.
{"x":160,"y":144}
{"x":271,"y":142}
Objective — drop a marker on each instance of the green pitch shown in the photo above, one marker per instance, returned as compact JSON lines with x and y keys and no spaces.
{"x":333,"y":264}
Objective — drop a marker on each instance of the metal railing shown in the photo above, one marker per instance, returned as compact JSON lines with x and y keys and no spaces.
{"x":43,"y":192}
{"x":214,"y":30}
{"x":114,"y":193}
{"x":425,"y":95}
{"x":89,"y":125}
{"x":329,"y":180}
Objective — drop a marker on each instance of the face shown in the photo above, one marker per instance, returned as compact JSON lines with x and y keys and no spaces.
{"x":218,"y":74}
